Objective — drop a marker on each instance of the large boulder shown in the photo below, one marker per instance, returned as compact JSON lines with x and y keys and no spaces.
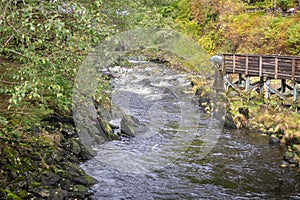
{"x":129,"y":125}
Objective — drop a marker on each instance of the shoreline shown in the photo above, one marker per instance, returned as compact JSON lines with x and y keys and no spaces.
{"x":281,"y":124}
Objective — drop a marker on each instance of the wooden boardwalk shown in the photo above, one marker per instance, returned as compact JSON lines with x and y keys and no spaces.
{"x":267,"y":67}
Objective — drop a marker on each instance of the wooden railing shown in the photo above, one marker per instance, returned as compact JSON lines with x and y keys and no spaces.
{"x":268,"y":66}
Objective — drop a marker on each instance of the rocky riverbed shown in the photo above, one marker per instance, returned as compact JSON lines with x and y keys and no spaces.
{"x":45,"y":166}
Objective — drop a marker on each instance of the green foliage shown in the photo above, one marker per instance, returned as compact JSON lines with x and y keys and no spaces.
{"x":48,"y":42}
{"x":44,"y":42}
{"x":185,"y":19}
{"x":294,"y":39}
{"x":224,"y":26}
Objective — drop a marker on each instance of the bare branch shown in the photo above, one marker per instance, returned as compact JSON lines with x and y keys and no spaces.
{"x":7,"y":41}
{"x":17,"y":53}
{"x":8,"y":82}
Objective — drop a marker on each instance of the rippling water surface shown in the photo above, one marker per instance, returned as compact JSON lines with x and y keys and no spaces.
{"x":168,"y":158}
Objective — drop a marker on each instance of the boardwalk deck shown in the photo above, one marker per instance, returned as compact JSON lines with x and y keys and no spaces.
{"x":269,"y":66}
{"x":266,"y":67}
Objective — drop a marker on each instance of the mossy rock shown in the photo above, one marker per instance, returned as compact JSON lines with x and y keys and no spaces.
{"x":108,"y":130}
{"x":229,"y":122}
{"x":75,"y":147}
{"x":10,"y":153}
{"x":23,"y":194}
{"x":128,"y":125}
{"x":296,"y":147}
{"x":79,"y":191}
{"x":296,"y":137}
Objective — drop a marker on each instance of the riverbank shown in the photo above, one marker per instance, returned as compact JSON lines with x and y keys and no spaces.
{"x":240,"y":165}
{"x":270,"y":118}
{"x":44,"y":163}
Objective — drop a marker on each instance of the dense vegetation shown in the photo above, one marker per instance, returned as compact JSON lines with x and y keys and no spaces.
{"x":42,"y":46}
{"x":227,"y":26}
{"x":44,"y":42}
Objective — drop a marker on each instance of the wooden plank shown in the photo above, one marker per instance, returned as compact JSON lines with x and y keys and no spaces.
{"x":261,"y":81}
{"x":270,"y":66}
{"x":260,"y":66}
{"x":276,"y":68}
{"x":248,"y":82}
{"x":267,"y":86}
{"x":293,"y":69}
{"x":232,"y":85}
{"x":233,"y":57}
{"x":270,"y":89}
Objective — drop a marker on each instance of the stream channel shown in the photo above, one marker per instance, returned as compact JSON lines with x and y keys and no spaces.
{"x":178,"y":152}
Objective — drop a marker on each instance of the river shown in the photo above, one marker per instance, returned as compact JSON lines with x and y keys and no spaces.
{"x":178,"y":153}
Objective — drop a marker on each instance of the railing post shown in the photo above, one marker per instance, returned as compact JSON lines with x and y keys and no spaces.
{"x":268,"y":93}
{"x":240,"y":81}
{"x":276,"y":67}
{"x":296,"y":91}
{"x":247,"y":65}
{"x":226,"y":84}
{"x":293,"y":69}
{"x":261,"y":82}
{"x":260,"y":66}
{"x":247,"y":87}
{"x":283,"y":85}
{"x":233,"y":58}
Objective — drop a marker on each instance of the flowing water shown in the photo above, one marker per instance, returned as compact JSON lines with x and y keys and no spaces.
{"x":180,"y":152}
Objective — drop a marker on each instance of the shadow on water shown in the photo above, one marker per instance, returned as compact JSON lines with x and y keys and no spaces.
{"x":242,"y":164}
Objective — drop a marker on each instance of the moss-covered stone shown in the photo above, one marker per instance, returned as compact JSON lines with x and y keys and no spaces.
{"x":34,"y":168}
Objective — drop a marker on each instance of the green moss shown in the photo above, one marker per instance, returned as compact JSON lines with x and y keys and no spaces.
{"x":10,"y":153}
{"x":35,"y":184}
{"x":12,"y":196}
{"x":90,"y":180}
{"x":23,"y":194}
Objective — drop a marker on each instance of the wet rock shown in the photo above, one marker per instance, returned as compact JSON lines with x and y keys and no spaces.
{"x":296,"y":147}
{"x":79,"y":191}
{"x":65,"y":184}
{"x":104,"y":113}
{"x":229,"y":122}
{"x":128,"y":125}
{"x":75,"y":147}
{"x":40,"y":192}
{"x":58,"y":194}
{"x":284,"y":164}
{"x":145,"y":81}
{"x":72,"y":169}
{"x":108,"y":129}
{"x":85,"y":153}
{"x":49,"y":178}
{"x":273,"y":140}
{"x":289,"y":157}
